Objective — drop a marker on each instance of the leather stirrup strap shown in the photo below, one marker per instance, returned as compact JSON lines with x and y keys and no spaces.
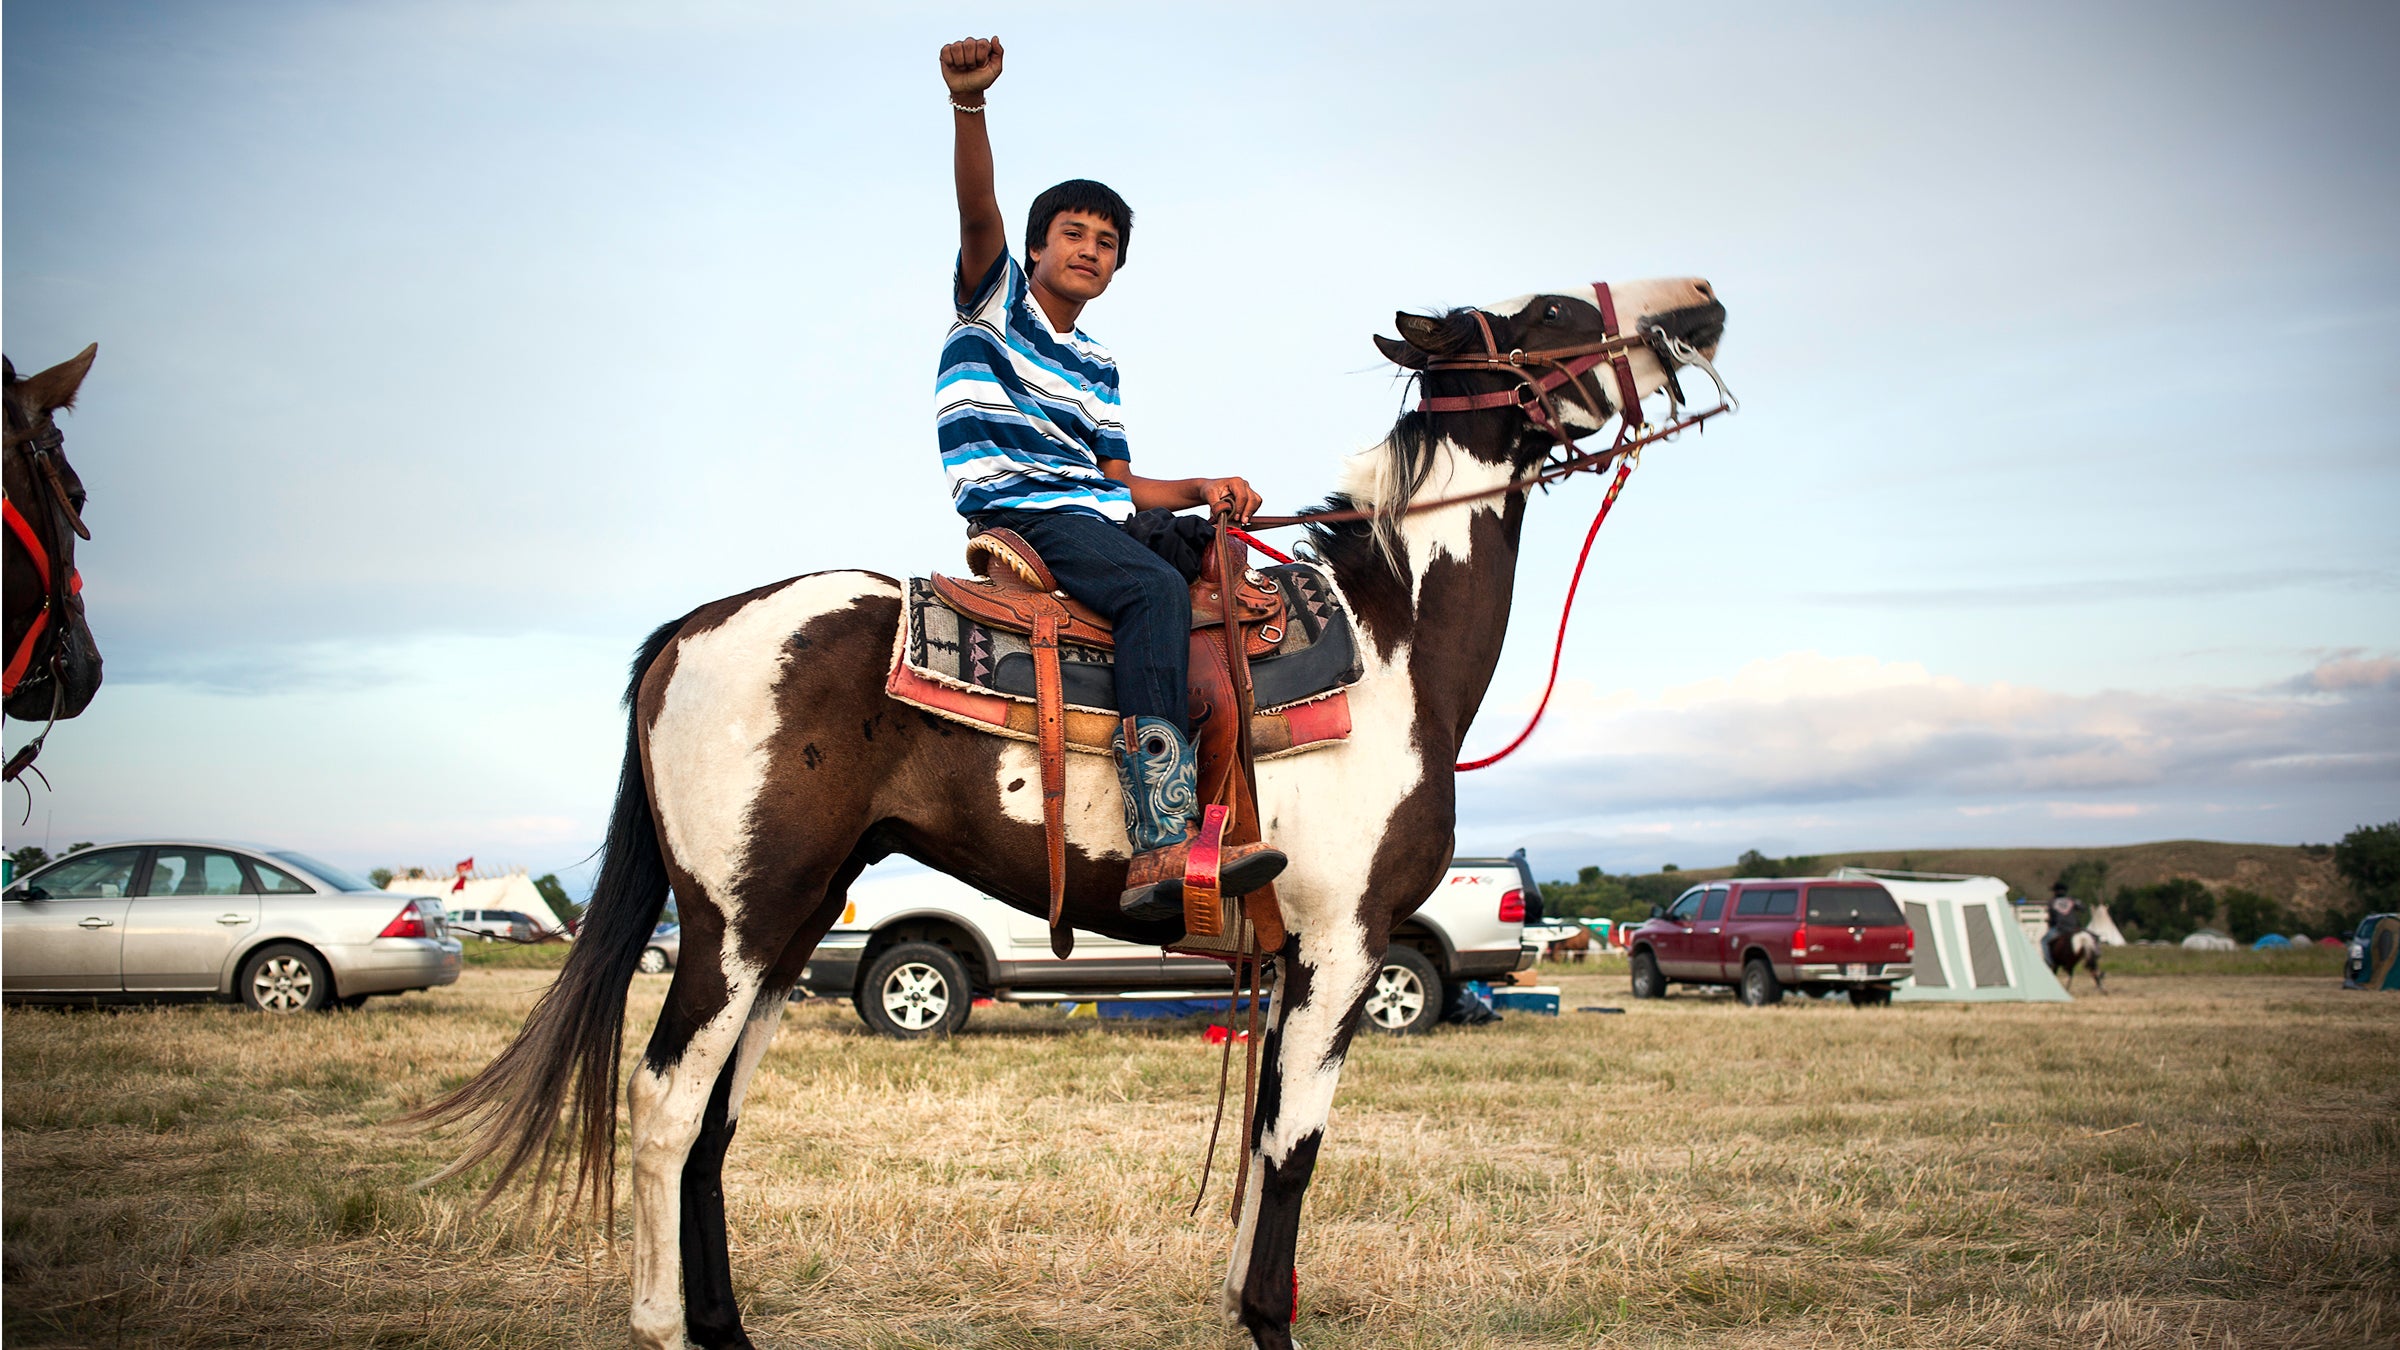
{"x":1050,"y":713}
{"x":1262,"y":907}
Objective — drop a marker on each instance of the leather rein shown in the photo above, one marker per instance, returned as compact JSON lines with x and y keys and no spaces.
{"x":1540,"y":375}
{"x":58,"y":586}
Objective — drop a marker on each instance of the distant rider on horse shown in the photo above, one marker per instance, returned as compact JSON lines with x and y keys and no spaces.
{"x":2066,"y":912}
{"x":1027,"y":414}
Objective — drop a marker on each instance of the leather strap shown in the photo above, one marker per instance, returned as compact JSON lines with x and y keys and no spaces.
{"x":1262,"y":907}
{"x":1629,"y":394}
{"x":1050,"y":711}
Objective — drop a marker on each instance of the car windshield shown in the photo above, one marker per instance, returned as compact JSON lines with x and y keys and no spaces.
{"x":325,"y":872}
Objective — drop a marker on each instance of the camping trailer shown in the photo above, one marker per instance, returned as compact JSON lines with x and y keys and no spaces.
{"x":1970,"y":947}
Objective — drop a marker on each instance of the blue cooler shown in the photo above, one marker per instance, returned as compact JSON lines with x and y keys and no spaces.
{"x":1537,"y":998}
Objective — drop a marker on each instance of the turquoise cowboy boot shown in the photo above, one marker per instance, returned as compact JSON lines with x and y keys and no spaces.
{"x":1160,"y":775}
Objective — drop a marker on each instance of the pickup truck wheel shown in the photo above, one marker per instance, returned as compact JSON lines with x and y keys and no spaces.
{"x":1405,"y":998}
{"x":915,"y":990}
{"x":1870,"y":996}
{"x":1759,"y":985}
{"x":1647,"y":982}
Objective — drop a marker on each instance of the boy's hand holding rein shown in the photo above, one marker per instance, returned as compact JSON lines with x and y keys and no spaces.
{"x":969,"y":66}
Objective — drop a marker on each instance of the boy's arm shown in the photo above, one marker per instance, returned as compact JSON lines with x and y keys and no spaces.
{"x":1174,"y":494}
{"x":969,"y":67}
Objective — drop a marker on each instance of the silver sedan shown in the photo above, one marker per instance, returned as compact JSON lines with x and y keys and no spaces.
{"x":175,"y":918}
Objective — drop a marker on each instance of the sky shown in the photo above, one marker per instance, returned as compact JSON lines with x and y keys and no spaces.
{"x":447,"y":348}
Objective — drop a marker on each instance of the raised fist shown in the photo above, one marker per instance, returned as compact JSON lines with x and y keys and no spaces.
{"x":969,"y":65}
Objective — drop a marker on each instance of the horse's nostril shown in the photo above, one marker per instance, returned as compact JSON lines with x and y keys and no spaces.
{"x":1703,"y":288}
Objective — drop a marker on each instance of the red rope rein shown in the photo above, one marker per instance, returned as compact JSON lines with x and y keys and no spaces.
{"x":1567,"y":611}
{"x":1558,"y":645}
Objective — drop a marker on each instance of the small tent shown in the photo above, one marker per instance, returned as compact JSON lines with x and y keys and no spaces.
{"x":511,"y":890}
{"x":1970,"y":947}
{"x":2210,"y":940}
{"x":2104,"y":928}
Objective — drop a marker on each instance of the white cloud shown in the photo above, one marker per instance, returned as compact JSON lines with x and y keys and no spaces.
{"x":1829,"y":750}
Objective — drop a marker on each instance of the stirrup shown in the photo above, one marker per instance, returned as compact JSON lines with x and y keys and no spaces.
{"x":1154,"y":889}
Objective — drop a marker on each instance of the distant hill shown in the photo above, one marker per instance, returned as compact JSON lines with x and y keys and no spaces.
{"x":2301,"y":876}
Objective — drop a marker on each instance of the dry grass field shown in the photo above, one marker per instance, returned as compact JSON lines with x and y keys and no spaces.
{"x":2207,"y":1157}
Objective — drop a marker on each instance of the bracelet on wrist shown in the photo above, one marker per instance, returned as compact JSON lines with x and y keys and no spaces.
{"x":965,"y":107}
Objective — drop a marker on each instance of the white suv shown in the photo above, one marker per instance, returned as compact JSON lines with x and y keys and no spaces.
{"x":913,"y":951}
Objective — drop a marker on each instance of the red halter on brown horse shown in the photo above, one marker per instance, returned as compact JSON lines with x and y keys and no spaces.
{"x":53,"y":665}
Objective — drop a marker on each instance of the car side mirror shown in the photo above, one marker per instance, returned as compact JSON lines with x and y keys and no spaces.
{"x":1657,"y":911}
{"x":33,"y":893}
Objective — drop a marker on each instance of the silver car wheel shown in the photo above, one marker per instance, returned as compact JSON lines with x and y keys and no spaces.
{"x":283,"y":984}
{"x":916,"y":996}
{"x":654,"y":960}
{"x":1397,"y":998}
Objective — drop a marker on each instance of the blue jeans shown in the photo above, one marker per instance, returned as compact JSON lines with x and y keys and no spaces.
{"x":1143,"y":598}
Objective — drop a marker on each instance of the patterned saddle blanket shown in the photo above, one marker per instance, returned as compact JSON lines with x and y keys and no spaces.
{"x":1314,"y":659}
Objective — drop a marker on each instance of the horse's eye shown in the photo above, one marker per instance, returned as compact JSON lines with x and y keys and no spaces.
{"x":1552,"y":314}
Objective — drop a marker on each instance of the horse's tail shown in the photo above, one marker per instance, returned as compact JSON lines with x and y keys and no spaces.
{"x":566,"y":1054}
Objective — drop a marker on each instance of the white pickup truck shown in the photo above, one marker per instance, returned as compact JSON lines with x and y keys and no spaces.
{"x":913,"y":951}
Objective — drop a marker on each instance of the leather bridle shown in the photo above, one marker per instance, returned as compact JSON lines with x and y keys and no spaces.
{"x":1540,"y":374}
{"x":59,"y":585}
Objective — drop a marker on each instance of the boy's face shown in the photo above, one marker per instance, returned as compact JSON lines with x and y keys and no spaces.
{"x":1079,"y":258}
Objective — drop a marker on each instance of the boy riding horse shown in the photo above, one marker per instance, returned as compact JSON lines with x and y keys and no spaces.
{"x":1026,"y":410}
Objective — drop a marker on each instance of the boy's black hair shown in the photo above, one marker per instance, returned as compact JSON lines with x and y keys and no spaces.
{"x":1078,"y":194}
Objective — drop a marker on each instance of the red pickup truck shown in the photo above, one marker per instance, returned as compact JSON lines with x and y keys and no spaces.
{"x":1766,"y":936}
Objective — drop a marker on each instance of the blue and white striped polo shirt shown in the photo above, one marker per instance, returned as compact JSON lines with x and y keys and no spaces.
{"x":1025,"y":414}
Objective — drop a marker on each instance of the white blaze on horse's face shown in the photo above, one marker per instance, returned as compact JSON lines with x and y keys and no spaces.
{"x":1637,"y":302}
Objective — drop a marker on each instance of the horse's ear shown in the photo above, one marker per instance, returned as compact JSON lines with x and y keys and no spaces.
{"x":55,"y":388}
{"x":1400,"y":353}
{"x":1423,"y":332}
{"x":11,"y":369}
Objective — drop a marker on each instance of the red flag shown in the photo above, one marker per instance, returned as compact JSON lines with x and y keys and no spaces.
{"x":464,"y":867}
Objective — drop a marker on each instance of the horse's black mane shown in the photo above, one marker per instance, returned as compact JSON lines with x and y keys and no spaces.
{"x":1352,"y":545}
{"x":1352,"y":542}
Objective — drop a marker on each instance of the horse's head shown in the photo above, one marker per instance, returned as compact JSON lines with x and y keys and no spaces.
{"x":1664,"y":313}
{"x":57,"y":667}
{"x":1505,"y":385}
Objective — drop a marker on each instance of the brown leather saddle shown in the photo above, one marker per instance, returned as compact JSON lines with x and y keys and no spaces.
{"x":1014,"y":590}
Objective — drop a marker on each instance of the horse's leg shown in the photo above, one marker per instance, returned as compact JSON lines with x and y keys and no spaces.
{"x":712,"y":1315}
{"x":668,"y":1098}
{"x":1325,"y":975}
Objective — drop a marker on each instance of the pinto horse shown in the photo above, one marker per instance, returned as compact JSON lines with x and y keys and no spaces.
{"x":765,"y":768}
{"x":2063,"y":951}
{"x":53,"y":664}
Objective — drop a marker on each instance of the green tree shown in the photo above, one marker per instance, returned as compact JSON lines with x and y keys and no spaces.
{"x":2169,"y":911}
{"x":2369,"y":859}
{"x":1753,"y":863}
{"x":2250,"y":916}
{"x":2086,"y":879}
{"x":28,"y":857}
{"x":381,"y":876}
{"x":555,"y":891}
